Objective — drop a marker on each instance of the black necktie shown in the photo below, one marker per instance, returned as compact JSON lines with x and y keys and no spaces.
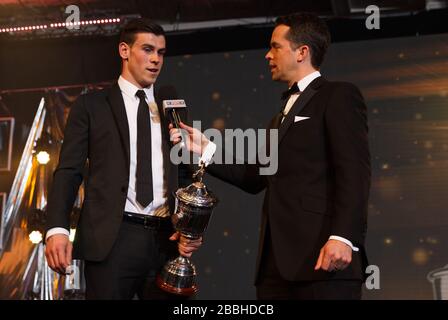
{"x":294,"y":89}
{"x":143,"y":182}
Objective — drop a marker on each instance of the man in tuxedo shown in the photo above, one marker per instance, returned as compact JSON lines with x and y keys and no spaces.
{"x":314,"y":215}
{"x":124,"y":227}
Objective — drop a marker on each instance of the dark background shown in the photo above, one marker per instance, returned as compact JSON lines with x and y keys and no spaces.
{"x":404,"y":78}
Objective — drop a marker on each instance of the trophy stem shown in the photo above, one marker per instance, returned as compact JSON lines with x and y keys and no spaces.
{"x":183,"y":260}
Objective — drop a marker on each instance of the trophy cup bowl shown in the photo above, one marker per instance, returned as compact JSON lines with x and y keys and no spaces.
{"x":194,"y":206}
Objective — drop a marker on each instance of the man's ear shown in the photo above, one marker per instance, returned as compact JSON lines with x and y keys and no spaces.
{"x":303,"y":53}
{"x":124,"y":50}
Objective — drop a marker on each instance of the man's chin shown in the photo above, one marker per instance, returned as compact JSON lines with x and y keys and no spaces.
{"x":150,"y":81}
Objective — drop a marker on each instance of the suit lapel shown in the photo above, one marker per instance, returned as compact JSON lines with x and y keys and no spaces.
{"x":300,"y":103}
{"x":116,"y":104}
{"x":170,"y":175}
{"x":163,"y":121}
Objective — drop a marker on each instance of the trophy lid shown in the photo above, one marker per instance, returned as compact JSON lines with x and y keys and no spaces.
{"x":196,"y":194}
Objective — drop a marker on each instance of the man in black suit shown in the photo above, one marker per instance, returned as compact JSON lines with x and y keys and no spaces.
{"x":314,"y":215}
{"x":124,"y":228}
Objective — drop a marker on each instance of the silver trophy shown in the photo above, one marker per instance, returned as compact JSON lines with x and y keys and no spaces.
{"x":74,"y":283}
{"x":439,"y":280}
{"x":194,"y":206}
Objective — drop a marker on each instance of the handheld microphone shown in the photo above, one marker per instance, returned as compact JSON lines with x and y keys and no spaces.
{"x":172,"y":109}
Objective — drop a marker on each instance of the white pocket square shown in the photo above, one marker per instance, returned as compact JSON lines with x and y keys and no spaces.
{"x":299,"y":118}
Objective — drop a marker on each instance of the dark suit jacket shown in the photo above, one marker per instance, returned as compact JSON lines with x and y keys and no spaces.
{"x":97,"y":130}
{"x":321,"y":187}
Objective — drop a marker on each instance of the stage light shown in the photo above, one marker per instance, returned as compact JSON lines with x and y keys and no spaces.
{"x":58,"y":25}
{"x":35,"y":237}
{"x":24,"y":28}
{"x":43,"y":157}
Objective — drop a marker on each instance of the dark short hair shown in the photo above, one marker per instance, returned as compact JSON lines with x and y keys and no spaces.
{"x":307,"y":29}
{"x":140,"y":25}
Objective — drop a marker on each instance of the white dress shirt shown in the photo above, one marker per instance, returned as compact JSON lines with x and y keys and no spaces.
{"x":131,"y":102}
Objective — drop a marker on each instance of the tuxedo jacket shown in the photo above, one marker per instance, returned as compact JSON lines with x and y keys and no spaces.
{"x":97,"y":133}
{"x":321,"y":187}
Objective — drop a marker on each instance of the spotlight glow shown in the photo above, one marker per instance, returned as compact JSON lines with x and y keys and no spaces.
{"x":43,"y":157}
{"x":35,"y":237}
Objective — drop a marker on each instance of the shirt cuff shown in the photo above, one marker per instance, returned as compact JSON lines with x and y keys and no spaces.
{"x":56,"y":230}
{"x":208,"y":153}
{"x":347,"y":242}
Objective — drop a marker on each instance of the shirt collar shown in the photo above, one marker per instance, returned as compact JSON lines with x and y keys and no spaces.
{"x":304,"y":82}
{"x":130,"y":89}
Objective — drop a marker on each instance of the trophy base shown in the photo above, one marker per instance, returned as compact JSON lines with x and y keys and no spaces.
{"x":188,"y":292}
{"x":178,"y":277}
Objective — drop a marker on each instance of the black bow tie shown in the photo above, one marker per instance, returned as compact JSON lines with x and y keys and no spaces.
{"x":294,"y":89}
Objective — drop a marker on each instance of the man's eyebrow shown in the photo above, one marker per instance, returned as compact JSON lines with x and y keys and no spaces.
{"x":152,"y":47}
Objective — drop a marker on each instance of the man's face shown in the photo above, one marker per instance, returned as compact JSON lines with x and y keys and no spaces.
{"x":144,"y":58}
{"x":282,"y":58}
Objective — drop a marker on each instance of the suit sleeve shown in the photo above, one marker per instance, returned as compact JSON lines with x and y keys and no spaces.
{"x":346,"y":123}
{"x":244,"y":176}
{"x":69,"y":172}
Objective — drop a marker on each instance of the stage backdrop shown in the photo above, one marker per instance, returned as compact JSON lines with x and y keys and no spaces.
{"x":405,"y":84}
